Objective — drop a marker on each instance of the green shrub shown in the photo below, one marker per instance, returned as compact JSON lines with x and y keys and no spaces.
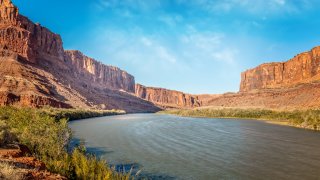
{"x":74,"y":114}
{"x":46,"y":134}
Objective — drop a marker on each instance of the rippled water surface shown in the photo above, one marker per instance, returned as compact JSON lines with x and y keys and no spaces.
{"x":171,"y":147}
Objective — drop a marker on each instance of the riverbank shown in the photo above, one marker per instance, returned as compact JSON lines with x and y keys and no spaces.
{"x":46,"y":134}
{"x":16,"y":164}
{"x":307,"y":119}
{"x":76,"y":114}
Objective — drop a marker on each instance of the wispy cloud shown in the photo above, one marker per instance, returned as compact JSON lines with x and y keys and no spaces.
{"x":185,"y":39}
{"x":170,"y":19}
{"x":131,"y":4}
{"x":266,"y":7}
{"x":207,"y":46}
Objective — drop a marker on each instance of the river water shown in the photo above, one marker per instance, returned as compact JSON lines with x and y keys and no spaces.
{"x":171,"y":147}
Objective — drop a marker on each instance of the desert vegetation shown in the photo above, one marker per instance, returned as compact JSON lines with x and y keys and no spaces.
{"x":74,"y":114}
{"x":46,"y":134}
{"x":309,"y":119}
{"x":8,"y":172}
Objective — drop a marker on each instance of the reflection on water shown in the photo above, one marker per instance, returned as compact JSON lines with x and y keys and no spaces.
{"x":170,"y":147}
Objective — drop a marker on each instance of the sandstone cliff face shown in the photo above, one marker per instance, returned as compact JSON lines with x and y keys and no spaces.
{"x":303,"y":68}
{"x":106,"y":76}
{"x":167,"y":98}
{"x":36,"y":71}
{"x":29,"y":40}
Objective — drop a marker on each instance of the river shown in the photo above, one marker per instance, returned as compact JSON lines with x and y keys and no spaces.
{"x":172,"y":147}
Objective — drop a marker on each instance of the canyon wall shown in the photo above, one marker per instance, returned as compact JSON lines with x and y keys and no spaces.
{"x":36,"y":43}
{"x":303,"y":68}
{"x":36,"y":71}
{"x":20,"y":35}
{"x":98,"y":73}
{"x":285,"y":85}
{"x":167,"y":98}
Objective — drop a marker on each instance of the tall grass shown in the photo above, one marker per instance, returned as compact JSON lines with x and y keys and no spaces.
{"x":46,"y":134}
{"x":7,"y":172}
{"x":74,"y":114}
{"x":309,"y":119}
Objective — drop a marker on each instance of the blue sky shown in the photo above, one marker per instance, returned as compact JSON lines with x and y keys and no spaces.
{"x":195,"y":46}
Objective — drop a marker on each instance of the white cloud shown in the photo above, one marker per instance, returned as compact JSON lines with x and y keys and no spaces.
{"x":258,"y":7}
{"x":171,"y":20}
{"x":146,"y":41}
{"x":135,"y":48}
{"x":163,"y":53}
{"x":199,"y":46}
{"x":255,"y":7}
{"x":158,"y":53}
{"x":280,"y":2}
{"x":131,"y":4}
{"x":227,"y":55}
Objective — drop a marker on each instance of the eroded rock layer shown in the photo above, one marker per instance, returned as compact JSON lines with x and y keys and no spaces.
{"x":167,"y":98}
{"x":304,"y":96}
{"x":29,"y":40}
{"x":303,"y":68}
{"x":105,"y":76}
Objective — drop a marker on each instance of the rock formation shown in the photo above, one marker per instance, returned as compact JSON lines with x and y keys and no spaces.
{"x":98,"y":73}
{"x":303,"y":68}
{"x":286,"y":85}
{"x":36,"y":71}
{"x":20,"y":35}
{"x":167,"y":98}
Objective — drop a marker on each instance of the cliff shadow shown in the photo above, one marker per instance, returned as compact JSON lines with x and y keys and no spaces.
{"x":42,"y":83}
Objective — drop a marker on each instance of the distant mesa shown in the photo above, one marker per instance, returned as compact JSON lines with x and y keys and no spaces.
{"x":303,"y":68}
{"x":167,"y":98}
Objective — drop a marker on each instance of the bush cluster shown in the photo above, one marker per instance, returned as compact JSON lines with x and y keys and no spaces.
{"x":46,"y":134}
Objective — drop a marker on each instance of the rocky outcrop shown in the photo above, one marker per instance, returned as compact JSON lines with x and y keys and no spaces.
{"x":20,"y":35}
{"x":167,"y":98}
{"x":303,"y":68}
{"x":98,"y":73}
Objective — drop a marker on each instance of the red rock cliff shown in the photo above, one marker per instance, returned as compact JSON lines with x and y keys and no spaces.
{"x":36,"y":71}
{"x":106,"y":76}
{"x":19,"y":35}
{"x":38,"y":44}
{"x":167,"y":98}
{"x":303,"y":68}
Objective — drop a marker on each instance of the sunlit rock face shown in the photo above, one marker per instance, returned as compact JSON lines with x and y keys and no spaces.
{"x":285,"y":85}
{"x":167,"y":98}
{"x":20,"y":35}
{"x":303,"y":68}
{"x":105,"y":76}
{"x":36,"y":71}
